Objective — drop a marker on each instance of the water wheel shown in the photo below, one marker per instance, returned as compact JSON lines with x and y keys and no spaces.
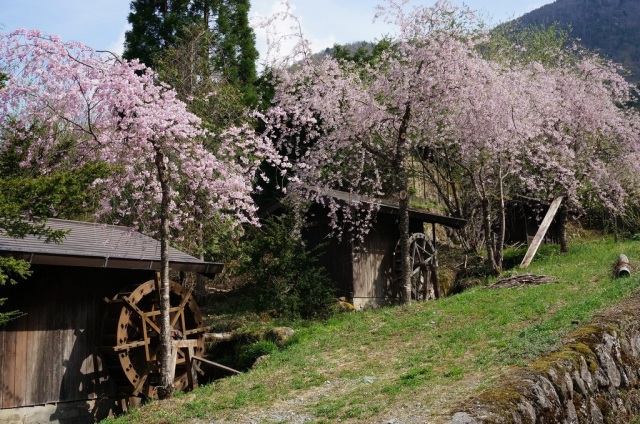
{"x":131,"y":339}
{"x":423,"y":265}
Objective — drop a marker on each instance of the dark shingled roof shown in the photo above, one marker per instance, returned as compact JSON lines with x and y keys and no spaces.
{"x":101,"y":246}
{"x":386,"y":206}
{"x":390,"y":207}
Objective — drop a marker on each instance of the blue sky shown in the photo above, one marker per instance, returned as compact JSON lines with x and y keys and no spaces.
{"x":101,"y":23}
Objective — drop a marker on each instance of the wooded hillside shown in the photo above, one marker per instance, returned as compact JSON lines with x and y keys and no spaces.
{"x":611,"y":27}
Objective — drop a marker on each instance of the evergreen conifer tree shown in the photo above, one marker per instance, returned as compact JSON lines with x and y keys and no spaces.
{"x":157,"y":25}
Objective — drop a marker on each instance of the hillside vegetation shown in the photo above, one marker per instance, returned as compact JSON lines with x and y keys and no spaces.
{"x":412,"y":363}
{"x":610,"y":27}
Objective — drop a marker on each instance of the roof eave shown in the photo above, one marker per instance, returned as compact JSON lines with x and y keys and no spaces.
{"x":208,"y":269}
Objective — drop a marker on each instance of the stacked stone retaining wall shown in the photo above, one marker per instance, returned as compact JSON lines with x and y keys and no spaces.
{"x":594,"y":378}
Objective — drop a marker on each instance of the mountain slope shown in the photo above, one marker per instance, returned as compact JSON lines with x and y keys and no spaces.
{"x":611,"y":27}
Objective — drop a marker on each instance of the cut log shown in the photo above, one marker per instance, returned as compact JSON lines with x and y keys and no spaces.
{"x":622,"y":267}
{"x":220,"y":337}
{"x":542,"y":231}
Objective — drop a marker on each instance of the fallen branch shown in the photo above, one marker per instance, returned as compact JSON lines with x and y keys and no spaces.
{"x":522,"y":280}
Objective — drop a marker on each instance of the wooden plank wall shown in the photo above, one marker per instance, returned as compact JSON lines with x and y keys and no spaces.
{"x":52,"y":353}
{"x":373,"y":267}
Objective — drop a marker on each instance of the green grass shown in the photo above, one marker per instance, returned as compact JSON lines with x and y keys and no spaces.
{"x":368,"y":366}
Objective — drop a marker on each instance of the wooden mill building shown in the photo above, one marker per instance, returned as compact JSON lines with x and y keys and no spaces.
{"x":366,"y":274}
{"x":52,"y":358}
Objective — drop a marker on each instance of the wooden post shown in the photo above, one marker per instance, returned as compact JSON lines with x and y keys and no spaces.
{"x":188,"y":346}
{"x":542,"y":231}
{"x":433,"y":275}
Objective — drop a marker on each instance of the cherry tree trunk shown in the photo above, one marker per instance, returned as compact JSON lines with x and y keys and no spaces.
{"x":200,"y":284}
{"x":403,"y":226}
{"x":403,"y":203}
{"x":488,"y":235}
{"x":562,"y":228}
{"x":167,"y":368}
{"x":502,"y":224}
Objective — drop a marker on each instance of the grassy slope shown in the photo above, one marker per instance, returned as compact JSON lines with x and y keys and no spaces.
{"x":414,"y":362}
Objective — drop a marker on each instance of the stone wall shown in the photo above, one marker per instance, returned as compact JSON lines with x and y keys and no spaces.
{"x":60,"y":413}
{"x":594,"y":378}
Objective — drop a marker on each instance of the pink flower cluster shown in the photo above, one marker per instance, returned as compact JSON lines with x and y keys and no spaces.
{"x":116,"y":111}
{"x":516,"y":128}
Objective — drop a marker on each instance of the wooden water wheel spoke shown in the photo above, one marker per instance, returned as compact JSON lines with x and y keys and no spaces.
{"x":417,"y":257}
{"x":138,"y":386}
{"x":131,"y":345}
{"x":180,"y":309}
{"x":141,"y":313}
{"x":131,"y":336}
{"x":423,"y":267}
{"x":134,"y":327}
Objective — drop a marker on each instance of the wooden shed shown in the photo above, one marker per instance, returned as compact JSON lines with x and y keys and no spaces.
{"x":523,"y":218}
{"x":368,"y":274}
{"x":65,"y":359}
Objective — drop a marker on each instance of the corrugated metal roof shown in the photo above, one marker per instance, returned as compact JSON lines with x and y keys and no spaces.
{"x":101,"y":245}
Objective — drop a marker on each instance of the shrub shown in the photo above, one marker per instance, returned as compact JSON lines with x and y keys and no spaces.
{"x":248,"y":354}
{"x":286,"y":279}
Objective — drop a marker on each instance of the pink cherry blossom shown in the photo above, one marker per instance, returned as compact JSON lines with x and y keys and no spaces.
{"x":489,"y":129}
{"x":118,"y":113}
{"x":95,"y":107}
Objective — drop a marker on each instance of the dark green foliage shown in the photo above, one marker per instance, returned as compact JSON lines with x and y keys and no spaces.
{"x":284,"y":276}
{"x":635,"y":98}
{"x":155,"y":24}
{"x":28,"y":198}
{"x":229,"y":49}
{"x":25,"y":191}
{"x":248,"y":354}
{"x":512,"y":42}
{"x":235,"y":54}
{"x":63,"y":194}
{"x":611,"y":27}
{"x":194,"y":79}
{"x":5,"y":317}
{"x":361,"y":52}
{"x":14,"y":269}
{"x":11,"y":270}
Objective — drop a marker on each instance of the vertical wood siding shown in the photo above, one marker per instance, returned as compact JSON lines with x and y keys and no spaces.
{"x":373,"y":273}
{"x":52,"y":353}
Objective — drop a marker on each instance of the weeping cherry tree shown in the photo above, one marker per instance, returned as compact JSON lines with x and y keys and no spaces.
{"x":116,"y":113}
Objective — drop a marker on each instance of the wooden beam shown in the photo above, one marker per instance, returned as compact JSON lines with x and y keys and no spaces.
{"x":215,"y":364}
{"x":542,"y":231}
{"x":188,"y":356}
